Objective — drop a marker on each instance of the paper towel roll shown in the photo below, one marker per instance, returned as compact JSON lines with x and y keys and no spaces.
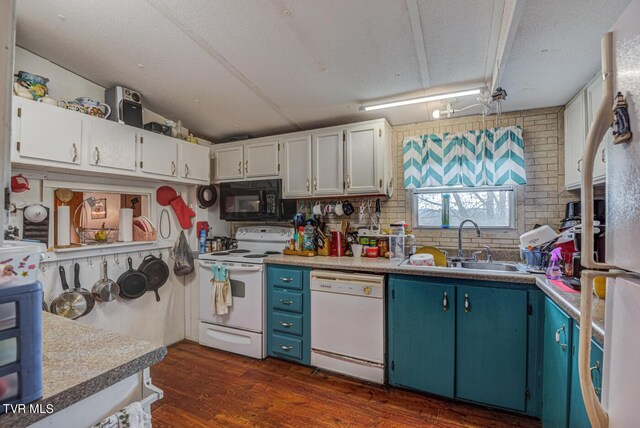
{"x":125,"y":233}
{"x":63,"y":224}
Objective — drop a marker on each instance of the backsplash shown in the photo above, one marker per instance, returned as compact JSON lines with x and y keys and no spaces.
{"x":540,"y":201}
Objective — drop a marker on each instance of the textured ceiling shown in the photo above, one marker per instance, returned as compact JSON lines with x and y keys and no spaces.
{"x":265,"y":66}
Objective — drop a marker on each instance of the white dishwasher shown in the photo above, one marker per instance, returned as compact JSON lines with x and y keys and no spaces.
{"x":347,"y":324}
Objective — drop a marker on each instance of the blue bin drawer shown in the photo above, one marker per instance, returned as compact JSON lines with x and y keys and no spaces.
{"x":286,"y":278}
{"x":289,"y":301}
{"x":286,"y":323}
{"x":289,"y":347}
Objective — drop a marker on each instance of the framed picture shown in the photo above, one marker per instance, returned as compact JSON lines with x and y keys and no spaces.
{"x":99,"y":210}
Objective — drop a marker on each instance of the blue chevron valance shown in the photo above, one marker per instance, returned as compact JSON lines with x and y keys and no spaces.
{"x":492,"y":157}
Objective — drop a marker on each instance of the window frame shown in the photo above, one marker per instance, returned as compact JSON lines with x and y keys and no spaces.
{"x":513,"y":224}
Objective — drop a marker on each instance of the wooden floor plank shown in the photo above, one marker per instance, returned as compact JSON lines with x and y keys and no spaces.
{"x":209,"y":388}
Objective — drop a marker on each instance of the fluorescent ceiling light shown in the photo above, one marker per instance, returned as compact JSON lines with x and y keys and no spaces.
{"x":422,"y":99}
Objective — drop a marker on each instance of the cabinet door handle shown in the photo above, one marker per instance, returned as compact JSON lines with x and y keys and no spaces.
{"x":348,"y":181}
{"x":286,"y":348}
{"x":592,"y":369}
{"x":315,"y":183}
{"x":562,"y":345}
{"x":580,"y":165}
{"x":445,"y":302}
{"x":286,"y":302}
{"x":467,"y":305}
{"x":286,"y":324}
{"x":75,"y":152}
{"x":284,"y":279}
{"x":173,"y":168}
{"x":307,"y":184}
{"x":246,"y":166}
{"x":97,"y":155}
{"x":186,"y":170}
{"x":240,"y":167}
{"x":604,"y":160}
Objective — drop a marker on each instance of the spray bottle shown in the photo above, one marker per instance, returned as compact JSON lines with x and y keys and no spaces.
{"x":553,"y":271}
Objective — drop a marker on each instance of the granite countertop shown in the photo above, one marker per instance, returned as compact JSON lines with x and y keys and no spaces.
{"x":80,"y":360}
{"x":383,"y":265}
{"x":569,"y":302}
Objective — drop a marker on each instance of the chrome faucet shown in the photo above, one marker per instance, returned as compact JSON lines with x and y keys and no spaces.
{"x":462,"y":223}
{"x":489,"y":253}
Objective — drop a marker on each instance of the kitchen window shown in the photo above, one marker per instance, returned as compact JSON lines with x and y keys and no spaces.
{"x":490,"y":207}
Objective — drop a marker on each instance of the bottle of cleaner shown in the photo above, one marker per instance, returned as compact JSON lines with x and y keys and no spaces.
{"x":203,"y":241}
{"x":553,"y":271}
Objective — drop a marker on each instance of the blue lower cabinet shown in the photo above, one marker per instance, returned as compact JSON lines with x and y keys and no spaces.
{"x":577,"y":412}
{"x":491,"y":346}
{"x":422,"y":335}
{"x":557,"y":359}
{"x":288,"y":312}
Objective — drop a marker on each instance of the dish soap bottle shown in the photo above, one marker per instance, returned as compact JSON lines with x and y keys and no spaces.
{"x":553,"y":271}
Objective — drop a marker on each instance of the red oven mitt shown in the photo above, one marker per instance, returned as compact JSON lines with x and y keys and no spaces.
{"x":183,"y":212}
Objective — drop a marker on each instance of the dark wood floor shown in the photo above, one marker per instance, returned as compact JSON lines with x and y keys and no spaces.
{"x":204,"y":387}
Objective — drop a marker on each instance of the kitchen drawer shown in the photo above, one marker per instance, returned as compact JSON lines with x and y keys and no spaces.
{"x":290,"y":347}
{"x":286,"y":278}
{"x":290,"y":301}
{"x":286,"y":323}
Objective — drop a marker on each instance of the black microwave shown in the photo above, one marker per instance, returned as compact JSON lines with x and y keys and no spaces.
{"x":259,"y":200}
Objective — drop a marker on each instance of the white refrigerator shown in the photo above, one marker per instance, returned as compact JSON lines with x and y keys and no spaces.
{"x":620,"y":405}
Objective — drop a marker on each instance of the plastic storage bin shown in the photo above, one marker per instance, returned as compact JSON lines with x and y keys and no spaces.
{"x":20,"y":344}
{"x":19,"y":262}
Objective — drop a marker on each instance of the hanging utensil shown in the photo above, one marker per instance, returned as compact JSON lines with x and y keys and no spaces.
{"x":105,"y":289}
{"x":70,"y":303}
{"x":133,"y":283}
{"x":85,"y":293}
{"x":157,"y":271}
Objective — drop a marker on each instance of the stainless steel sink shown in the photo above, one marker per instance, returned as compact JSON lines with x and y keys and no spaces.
{"x":494,"y":266}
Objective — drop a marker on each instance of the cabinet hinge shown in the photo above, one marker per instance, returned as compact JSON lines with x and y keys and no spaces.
{"x":278,"y":167}
{"x":380,"y":183}
{"x":393,"y":365}
{"x":344,"y":185}
{"x":527,"y":394}
{"x":18,"y":145}
{"x":393,"y":294}
{"x":380,"y":132}
{"x":529,"y":309}
{"x":19,"y":111}
{"x":141,"y":163}
{"x":278,"y":147}
{"x":344,"y":137}
{"x":141,"y":140}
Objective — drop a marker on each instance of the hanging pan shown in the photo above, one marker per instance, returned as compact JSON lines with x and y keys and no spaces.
{"x":70,"y":303}
{"x":105,"y":289}
{"x":156,"y":271}
{"x":85,"y":293}
{"x":133,"y":283}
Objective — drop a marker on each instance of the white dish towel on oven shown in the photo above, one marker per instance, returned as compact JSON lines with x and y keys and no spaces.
{"x":132,"y":416}
{"x":221,"y":299}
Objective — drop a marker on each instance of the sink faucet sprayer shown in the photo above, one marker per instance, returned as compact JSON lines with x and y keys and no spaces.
{"x":462,"y":223}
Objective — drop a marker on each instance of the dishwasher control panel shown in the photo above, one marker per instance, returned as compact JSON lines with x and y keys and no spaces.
{"x":358,"y":285}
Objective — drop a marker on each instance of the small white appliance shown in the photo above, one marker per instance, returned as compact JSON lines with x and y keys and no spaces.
{"x":241,"y":330}
{"x":347,"y":324}
{"x":621,"y":373}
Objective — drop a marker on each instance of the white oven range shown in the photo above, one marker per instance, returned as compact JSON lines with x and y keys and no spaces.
{"x":241,"y":330}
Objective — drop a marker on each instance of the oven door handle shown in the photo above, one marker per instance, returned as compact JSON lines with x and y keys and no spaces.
{"x":256,"y":268}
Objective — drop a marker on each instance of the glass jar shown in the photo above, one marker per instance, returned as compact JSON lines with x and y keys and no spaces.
{"x":396,"y":242}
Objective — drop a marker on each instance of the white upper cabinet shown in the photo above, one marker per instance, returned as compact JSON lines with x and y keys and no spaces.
{"x":228,"y":162}
{"x":594,"y":97}
{"x":363,"y":174}
{"x":158,"y":154}
{"x":194,"y":162}
{"x":47,"y":134}
{"x":297,"y":164}
{"x":328,"y":163}
{"x":110,"y":145}
{"x":574,"y":136}
{"x":262,"y":159}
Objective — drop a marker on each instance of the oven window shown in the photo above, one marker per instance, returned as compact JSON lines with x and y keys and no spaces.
{"x":237,"y":288}
{"x":242,"y":204}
